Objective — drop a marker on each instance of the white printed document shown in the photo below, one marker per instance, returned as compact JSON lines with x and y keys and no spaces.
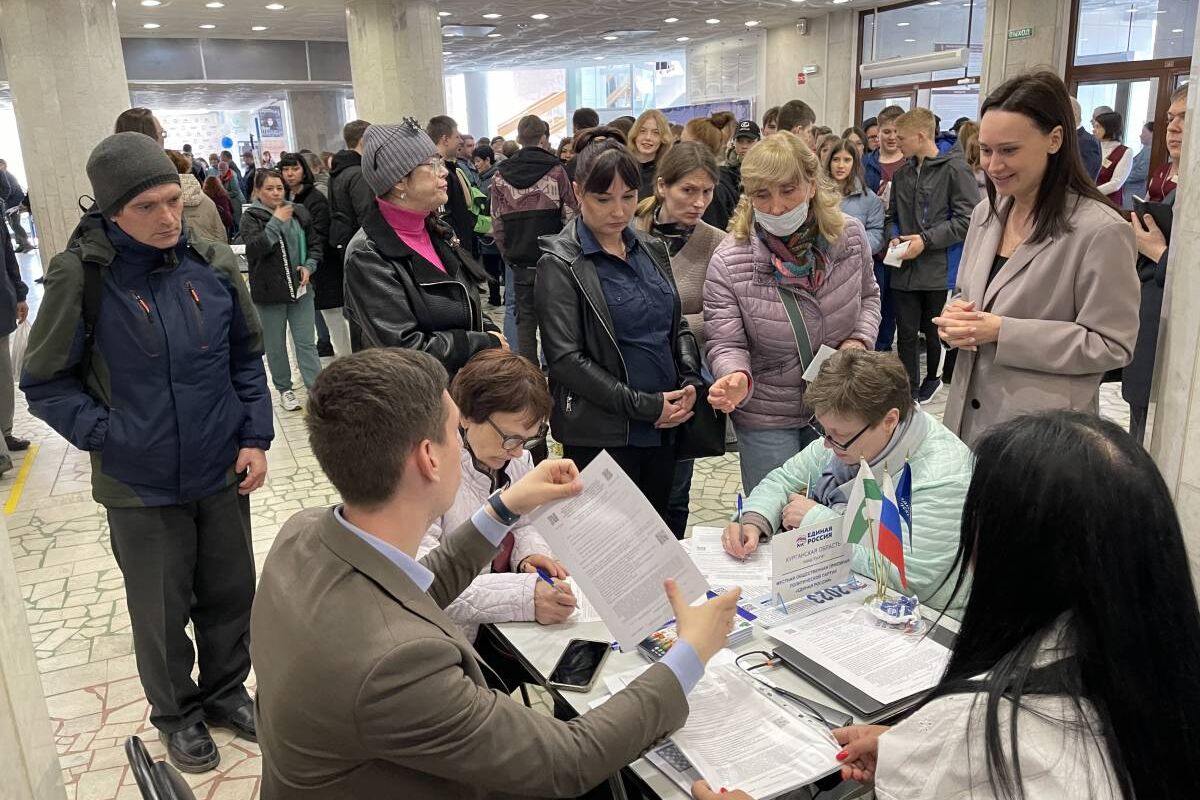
{"x":619,"y":552}
{"x":885,"y":664}
{"x":737,"y":738}
{"x":723,"y":571}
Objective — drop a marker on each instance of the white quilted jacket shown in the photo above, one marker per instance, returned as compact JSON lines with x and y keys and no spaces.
{"x":491,"y":597}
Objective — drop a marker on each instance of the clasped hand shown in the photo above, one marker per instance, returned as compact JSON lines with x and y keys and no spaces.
{"x":677,"y":407}
{"x":963,"y":326}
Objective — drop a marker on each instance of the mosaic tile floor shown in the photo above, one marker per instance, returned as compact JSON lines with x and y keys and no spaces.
{"x":76,"y":608}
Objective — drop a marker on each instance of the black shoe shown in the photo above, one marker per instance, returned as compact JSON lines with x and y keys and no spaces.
{"x":324,"y":350}
{"x":240,"y":721}
{"x":191,"y":749}
{"x":929,"y":388}
{"x":16,"y":445}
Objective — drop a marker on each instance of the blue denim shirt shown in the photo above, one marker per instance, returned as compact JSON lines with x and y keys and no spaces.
{"x":641,"y":303}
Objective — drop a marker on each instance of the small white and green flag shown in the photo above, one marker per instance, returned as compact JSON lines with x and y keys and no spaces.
{"x":866,"y":500}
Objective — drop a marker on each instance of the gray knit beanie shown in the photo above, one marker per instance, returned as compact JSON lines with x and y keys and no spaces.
{"x":391,"y":152}
{"x":123,"y":166}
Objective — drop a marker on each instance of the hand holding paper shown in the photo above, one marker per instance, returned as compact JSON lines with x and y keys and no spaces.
{"x":553,"y":479}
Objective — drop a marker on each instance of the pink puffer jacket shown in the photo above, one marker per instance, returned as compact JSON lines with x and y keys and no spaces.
{"x":746,"y":326}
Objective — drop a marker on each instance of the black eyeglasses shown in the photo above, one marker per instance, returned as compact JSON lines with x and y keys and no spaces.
{"x":843,"y":446}
{"x":510,"y":441}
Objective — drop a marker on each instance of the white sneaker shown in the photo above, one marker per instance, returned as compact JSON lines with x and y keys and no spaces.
{"x":288,"y":401}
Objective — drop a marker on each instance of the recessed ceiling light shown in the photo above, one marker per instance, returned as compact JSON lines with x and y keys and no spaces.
{"x":840,"y":2}
{"x":750,"y":23}
{"x":151,"y":25}
{"x":903,"y":24}
{"x":493,"y":36}
{"x":934,"y":3}
{"x":443,"y":13}
{"x":445,"y":52}
{"x":910,"y":41}
{"x":214,"y":5}
{"x":610,"y":38}
{"x":671,"y":19}
{"x":276,"y":7}
{"x":681,"y":38}
{"x":797,"y":1}
{"x":713,"y":21}
{"x":1176,"y":30}
{"x":492,"y":16}
{"x":208,"y":27}
{"x":597,"y":58}
{"x":539,"y":16}
{"x":258,"y":27}
{"x":151,"y":3}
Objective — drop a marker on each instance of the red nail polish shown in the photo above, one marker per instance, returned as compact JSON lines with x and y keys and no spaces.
{"x":842,"y":756}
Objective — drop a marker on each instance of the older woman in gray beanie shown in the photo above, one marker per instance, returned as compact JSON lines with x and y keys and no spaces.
{"x":408,"y":282}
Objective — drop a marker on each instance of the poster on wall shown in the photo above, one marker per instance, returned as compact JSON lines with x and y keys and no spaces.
{"x":270,"y":123}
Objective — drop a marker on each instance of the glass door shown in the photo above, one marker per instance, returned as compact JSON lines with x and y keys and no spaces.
{"x":1138,"y":102}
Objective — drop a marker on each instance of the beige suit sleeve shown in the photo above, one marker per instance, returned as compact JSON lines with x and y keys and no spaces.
{"x":1103,"y":333}
{"x":417,"y":708}
{"x":454,"y":563}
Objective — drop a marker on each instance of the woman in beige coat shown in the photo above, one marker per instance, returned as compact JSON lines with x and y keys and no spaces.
{"x":199,"y":211}
{"x":1048,"y":295}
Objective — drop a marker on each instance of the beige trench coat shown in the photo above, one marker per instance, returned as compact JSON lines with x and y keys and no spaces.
{"x":1070,"y":309}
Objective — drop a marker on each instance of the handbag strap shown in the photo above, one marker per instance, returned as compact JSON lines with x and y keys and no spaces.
{"x":803,"y":345}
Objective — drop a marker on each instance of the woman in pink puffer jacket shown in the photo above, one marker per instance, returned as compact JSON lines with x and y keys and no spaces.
{"x":788,"y":235}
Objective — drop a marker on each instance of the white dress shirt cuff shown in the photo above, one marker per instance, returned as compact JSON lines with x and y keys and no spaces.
{"x":492,"y":529}
{"x":683,"y":660}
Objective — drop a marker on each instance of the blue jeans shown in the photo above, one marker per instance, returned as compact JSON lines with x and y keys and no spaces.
{"x":510,"y":307}
{"x":764,"y":450}
{"x":887,"y":322}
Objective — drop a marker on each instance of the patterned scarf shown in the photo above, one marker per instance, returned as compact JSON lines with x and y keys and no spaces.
{"x":672,"y":234}
{"x":800,"y":260}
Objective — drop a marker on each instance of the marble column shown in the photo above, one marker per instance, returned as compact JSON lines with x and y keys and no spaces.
{"x":28,"y":760}
{"x":67,"y":76}
{"x":477,"y":104}
{"x":1175,"y":397}
{"x":317,"y":119}
{"x":395,"y":59}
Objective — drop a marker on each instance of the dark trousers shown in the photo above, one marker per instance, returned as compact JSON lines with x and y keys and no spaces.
{"x":1137,"y":422}
{"x":192,"y":561}
{"x":679,"y":505}
{"x":887,"y":310}
{"x":14,"y":220}
{"x":651,"y":468}
{"x":494,"y":266}
{"x":323,"y":342}
{"x":915,"y":312}
{"x":526,"y":344}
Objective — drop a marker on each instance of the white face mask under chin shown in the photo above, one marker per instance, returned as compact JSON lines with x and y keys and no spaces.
{"x":783,"y":224}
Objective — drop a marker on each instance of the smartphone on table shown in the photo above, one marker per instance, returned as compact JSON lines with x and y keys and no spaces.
{"x":579,"y":665}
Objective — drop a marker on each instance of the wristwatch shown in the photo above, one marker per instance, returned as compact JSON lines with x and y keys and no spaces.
{"x":503,"y":512}
{"x":925,"y":239}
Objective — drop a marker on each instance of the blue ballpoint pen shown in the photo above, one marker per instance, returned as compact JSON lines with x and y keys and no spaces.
{"x":546,"y":577}
{"x":741,"y":526}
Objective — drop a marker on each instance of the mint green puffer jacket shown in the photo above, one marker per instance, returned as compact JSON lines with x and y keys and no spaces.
{"x":941,"y":471}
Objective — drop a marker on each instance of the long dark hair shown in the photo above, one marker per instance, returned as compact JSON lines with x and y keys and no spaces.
{"x":851,"y":182}
{"x":1068,"y":523}
{"x":1042,"y":97}
{"x":600,"y":162}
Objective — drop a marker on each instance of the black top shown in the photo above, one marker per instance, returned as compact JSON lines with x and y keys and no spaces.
{"x":997,"y":263}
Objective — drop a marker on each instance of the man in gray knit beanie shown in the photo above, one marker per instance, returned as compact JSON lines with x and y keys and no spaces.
{"x":147,"y":353}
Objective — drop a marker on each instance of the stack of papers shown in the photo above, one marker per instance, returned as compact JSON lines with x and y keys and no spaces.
{"x":877,"y":671}
{"x":723,"y":571}
{"x":736,"y":737}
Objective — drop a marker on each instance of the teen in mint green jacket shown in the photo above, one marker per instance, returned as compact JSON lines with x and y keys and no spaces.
{"x":857,"y":397}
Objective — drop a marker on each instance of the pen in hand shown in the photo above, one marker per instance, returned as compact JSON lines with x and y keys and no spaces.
{"x":741,"y":525}
{"x":546,"y":577}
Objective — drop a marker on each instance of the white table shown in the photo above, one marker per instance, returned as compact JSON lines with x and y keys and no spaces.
{"x":539,"y":647}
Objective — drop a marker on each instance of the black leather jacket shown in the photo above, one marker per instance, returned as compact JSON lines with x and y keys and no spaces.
{"x":398,"y":299}
{"x":593,"y":404}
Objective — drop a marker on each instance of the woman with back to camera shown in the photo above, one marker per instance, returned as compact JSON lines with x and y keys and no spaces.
{"x":714,"y":133}
{"x":649,"y":140}
{"x":1048,"y":292}
{"x":684,"y":187}
{"x":407,"y":282}
{"x":792,"y":255}
{"x":1117,"y":163}
{"x":624,"y":367}
{"x":843,"y":165}
{"x":1073,"y":672}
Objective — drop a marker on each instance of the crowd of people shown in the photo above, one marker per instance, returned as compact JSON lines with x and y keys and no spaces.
{"x":646,"y":283}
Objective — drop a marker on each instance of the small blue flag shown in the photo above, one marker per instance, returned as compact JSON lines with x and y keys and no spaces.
{"x":904,"y":498}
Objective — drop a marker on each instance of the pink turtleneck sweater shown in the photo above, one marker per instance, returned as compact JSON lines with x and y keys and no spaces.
{"x":410,"y":227}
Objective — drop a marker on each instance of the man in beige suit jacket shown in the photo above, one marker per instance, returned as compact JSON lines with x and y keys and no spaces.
{"x":366,"y":688}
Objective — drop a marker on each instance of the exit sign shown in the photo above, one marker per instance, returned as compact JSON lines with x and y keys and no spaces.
{"x":1020,"y":33}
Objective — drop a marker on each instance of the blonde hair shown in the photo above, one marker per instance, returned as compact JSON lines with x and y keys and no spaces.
{"x":919,"y":119}
{"x":780,"y":158}
{"x":664,"y":132}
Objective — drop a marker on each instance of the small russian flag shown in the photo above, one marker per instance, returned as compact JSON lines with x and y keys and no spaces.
{"x":891,"y":535}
